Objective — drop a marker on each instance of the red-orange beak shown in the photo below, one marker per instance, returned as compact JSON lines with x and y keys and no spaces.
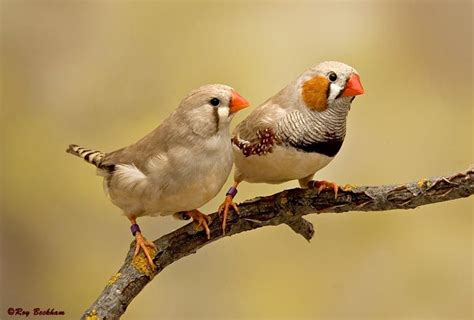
{"x":353,"y":87}
{"x":237,"y":102}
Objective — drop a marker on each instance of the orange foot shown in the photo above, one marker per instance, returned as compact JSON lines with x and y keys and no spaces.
{"x":145,"y":245}
{"x":322,"y":185}
{"x":202,"y":221}
{"x":224,"y":210}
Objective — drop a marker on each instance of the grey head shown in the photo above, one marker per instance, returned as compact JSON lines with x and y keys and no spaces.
{"x":209,"y":109}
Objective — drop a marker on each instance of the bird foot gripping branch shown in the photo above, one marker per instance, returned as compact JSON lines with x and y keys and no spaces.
{"x":323,"y":185}
{"x":223,"y":210}
{"x":142,"y":244}
{"x":201,"y":220}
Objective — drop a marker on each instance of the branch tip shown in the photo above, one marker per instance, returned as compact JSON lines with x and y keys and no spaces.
{"x":302,"y":227}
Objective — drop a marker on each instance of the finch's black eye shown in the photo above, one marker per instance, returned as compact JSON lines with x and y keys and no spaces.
{"x":215,"y":102}
{"x":332,"y":76}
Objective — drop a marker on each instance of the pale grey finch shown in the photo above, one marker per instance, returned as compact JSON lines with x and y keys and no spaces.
{"x":296,"y":132}
{"x":177,"y":167}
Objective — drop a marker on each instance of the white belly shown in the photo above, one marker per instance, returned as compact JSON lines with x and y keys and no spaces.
{"x":283,"y":164}
{"x":201,"y":185}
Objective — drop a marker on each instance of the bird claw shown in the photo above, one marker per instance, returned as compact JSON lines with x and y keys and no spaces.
{"x":323,"y":185}
{"x":144,"y":244}
{"x":201,"y":221}
{"x":224,"y":210}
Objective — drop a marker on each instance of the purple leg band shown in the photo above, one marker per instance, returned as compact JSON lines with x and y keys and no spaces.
{"x":232,"y":192}
{"x":135,"y":228}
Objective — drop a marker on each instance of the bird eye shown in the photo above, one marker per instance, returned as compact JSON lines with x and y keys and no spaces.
{"x":215,"y":102}
{"x":332,"y":76}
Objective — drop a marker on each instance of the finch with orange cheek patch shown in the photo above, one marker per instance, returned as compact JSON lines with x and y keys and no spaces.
{"x":176,"y":168}
{"x":296,"y":132}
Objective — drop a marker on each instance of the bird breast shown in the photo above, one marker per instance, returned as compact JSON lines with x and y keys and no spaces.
{"x":194,"y":175}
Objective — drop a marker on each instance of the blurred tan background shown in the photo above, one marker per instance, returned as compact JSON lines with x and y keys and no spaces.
{"x":102,"y":74}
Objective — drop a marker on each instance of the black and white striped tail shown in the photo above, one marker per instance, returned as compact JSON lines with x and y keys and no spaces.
{"x":91,"y":156}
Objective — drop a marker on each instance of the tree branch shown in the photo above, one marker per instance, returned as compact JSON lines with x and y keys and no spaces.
{"x":287,"y":207}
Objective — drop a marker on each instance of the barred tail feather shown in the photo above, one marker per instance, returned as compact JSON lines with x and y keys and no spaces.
{"x":91,"y":156}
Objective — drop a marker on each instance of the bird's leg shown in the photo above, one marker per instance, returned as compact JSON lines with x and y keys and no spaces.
{"x":322,"y":185}
{"x":141,"y":242}
{"x":228,"y":202}
{"x":201,"y":219}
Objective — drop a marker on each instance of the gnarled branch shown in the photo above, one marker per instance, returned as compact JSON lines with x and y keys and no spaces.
{"x":287,"y":207}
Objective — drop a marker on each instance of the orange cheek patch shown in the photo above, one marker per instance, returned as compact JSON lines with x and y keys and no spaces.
{"x":314,"y":93}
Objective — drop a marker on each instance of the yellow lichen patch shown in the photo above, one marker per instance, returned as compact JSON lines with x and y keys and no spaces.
{"x":113,"y":278}
{"x":314,"y":92}
{"x":349,"y":187}
{"x":283,"y":200}
{"x":421,"y":183}
{"x":140,"y":263}
{"x":92,"y":316}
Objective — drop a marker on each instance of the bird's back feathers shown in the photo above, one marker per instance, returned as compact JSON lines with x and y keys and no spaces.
{"x":171,"y":133}
{"x":264,"y":117}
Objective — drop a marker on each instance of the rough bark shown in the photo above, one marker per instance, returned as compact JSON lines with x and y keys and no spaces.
{"x":286,"y":207}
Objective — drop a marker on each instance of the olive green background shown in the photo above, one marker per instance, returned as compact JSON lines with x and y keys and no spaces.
{"x":102,"y":74}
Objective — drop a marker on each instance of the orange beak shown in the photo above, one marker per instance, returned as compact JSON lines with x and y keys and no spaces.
{"x":237,"y":102}
{"x":353,"y":87}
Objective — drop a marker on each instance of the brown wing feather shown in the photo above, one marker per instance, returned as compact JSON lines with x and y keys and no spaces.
{"x":156,"y":142}
{"x":266,"y":115}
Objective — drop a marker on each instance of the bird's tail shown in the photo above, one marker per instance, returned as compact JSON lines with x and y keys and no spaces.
{"x":91,"y":156}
